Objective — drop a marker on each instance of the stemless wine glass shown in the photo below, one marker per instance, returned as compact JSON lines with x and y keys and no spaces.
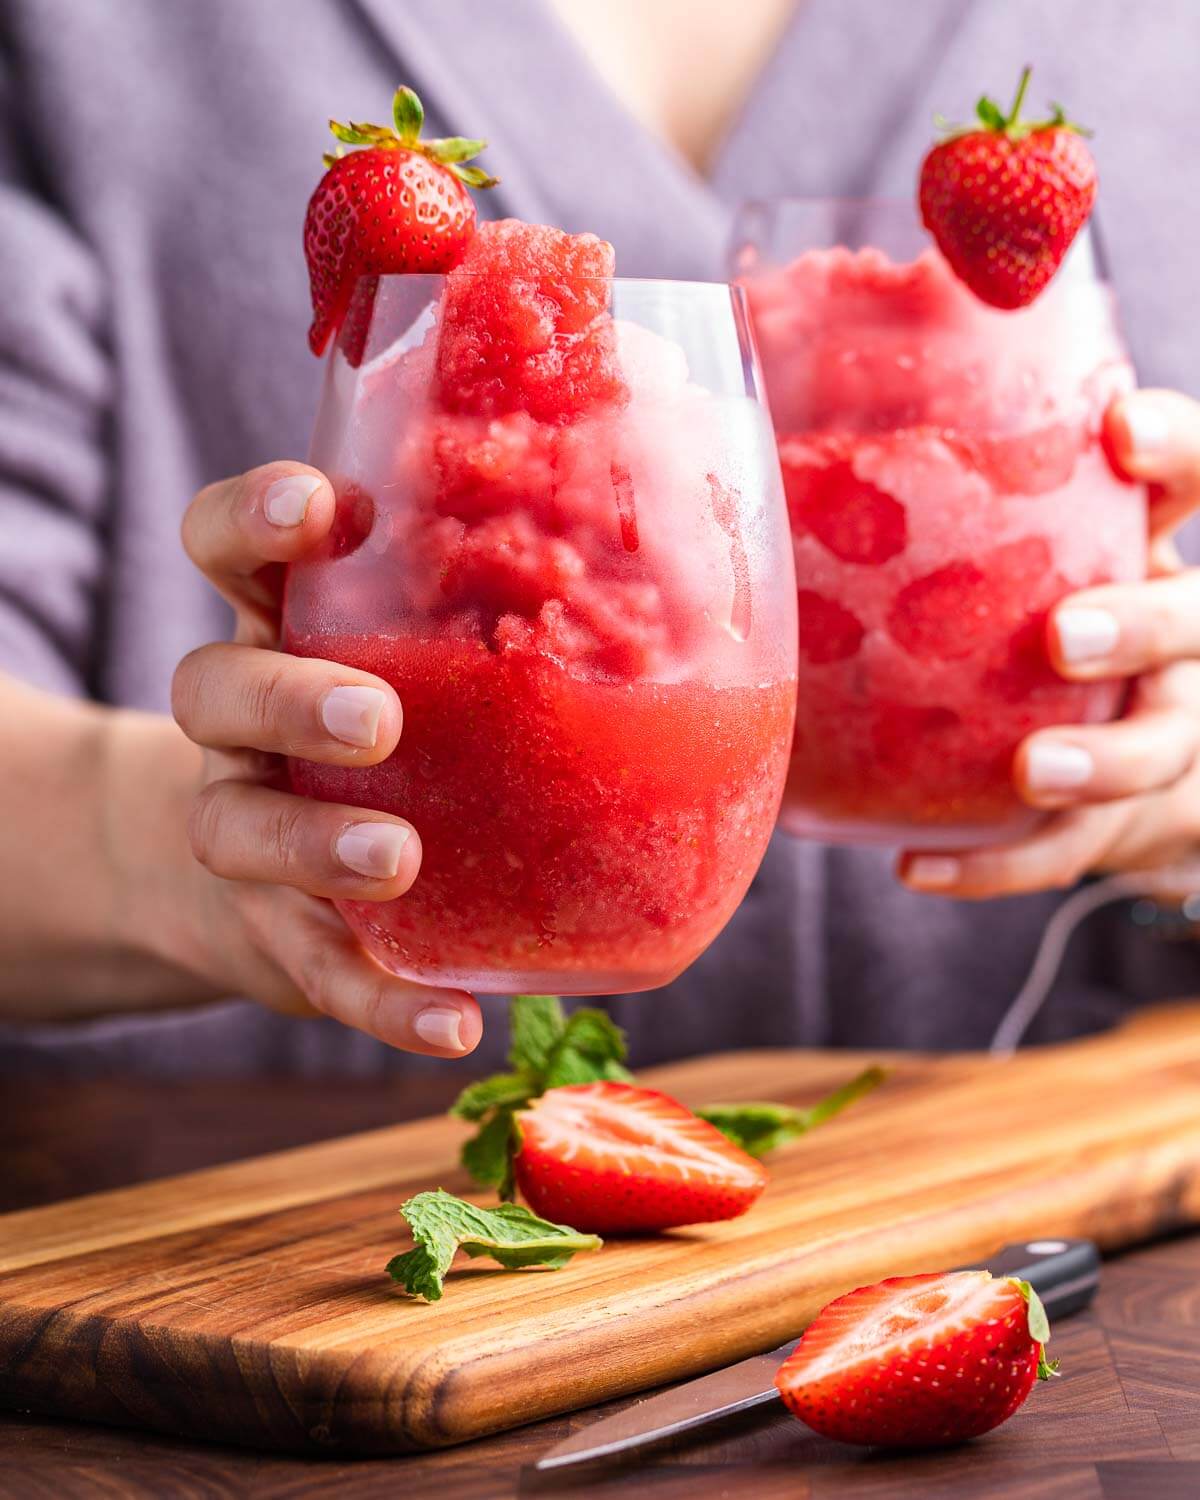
{"x":576,"y":574}
{"x":946,"y":486}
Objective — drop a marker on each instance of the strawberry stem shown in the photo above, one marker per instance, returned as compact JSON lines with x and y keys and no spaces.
{"x":1014,"y":113}
{"x":990,"y":116}
{"x":404,"y":134}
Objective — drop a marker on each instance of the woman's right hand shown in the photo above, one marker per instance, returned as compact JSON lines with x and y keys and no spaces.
{"x":272,"y":862}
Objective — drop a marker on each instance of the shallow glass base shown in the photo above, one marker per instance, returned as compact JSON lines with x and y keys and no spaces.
{"x":565,"y":982}
{"x":802,"y":824}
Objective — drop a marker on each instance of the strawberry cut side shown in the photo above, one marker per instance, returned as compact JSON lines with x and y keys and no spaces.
{"x":918,"y":1361}
{"x":609,"y":1158}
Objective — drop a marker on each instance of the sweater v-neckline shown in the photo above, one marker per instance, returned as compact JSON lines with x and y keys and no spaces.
{"x":524,"y":82}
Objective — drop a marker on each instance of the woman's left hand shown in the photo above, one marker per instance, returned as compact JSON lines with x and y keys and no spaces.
{"x":1125,"y":795}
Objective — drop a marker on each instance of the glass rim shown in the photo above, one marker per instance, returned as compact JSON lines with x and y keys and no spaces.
{"x":394,"y":278}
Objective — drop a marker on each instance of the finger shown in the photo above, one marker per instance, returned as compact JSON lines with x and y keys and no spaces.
{"x":229,"y":697}
{"x":1146,"y":752}
{"x":246,"y":832}
{"x":1125,"y":629}
{"x":234,"y":529}
{"x":1154,"y":436}
{"x":1062,"y":850}
{"x":342,"y":981}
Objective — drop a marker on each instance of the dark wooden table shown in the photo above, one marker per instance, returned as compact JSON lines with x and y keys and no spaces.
{"x":1123,"y":1423}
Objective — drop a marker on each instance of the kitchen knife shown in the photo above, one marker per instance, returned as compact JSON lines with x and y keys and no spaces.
{"x":1064,"y":1273}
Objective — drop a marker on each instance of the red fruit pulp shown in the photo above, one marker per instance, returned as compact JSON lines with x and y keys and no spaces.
{"x":568,"y":827}
{"x":946,"y":487}
{"x":526,"y":325}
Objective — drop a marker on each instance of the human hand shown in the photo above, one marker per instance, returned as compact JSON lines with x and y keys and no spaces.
{"x":1126,"y":795}
{"x":260,"y":922}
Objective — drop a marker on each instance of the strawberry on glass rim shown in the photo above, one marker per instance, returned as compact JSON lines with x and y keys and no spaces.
{"x":397,"y":204}
{"x":919,"y":1361}
{"x":1005,"y":199}
{"x":611,"y":1158}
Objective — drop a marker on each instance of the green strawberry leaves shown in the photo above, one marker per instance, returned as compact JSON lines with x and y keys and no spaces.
{"x":408,"y":114}
{"x":760,"y":1128}
{"x":474,"y":177}
{"x":441,"y":1225}
{"x":547,"y":1049}
{"x":1039,"y":1328}
{"x":991,"y":116}
{"x":535,"y":1023}
{"x":408,"y":119}
{"x":454,"y":148}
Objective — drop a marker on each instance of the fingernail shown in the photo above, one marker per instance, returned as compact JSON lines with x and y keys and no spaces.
{"x":440,"y":1026}
{"x":286,"y":502}
{"x":933,"y":872}
{"x":1085,"y":634}
{"x":1149,"y":428}
{"x":1051,"y":767}
{"x":351,"y":714}
{"x":373,"y":849}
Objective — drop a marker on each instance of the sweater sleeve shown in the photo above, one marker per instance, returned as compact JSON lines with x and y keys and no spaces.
{"x":55,"y":390}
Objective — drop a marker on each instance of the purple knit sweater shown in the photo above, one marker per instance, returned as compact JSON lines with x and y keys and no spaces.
{"x":155,"y":161}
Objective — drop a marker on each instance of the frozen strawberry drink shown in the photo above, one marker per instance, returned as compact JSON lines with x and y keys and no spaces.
{"x":946,"y":485}
{"x":560,"y":537}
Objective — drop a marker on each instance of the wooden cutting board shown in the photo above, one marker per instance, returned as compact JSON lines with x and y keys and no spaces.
{"x":248,"y":1303}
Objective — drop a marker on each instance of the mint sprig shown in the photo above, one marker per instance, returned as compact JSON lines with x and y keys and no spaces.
{"x":442,"y":1224}
{"x":547,"y":1049}
{"x":760,"y":1128}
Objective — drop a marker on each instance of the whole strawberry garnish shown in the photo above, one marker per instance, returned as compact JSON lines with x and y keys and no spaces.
{"x":1005,"y":201}
{"x":919,"y":1361}
{"x":614,"y":1159}
{"x":398,"y":204}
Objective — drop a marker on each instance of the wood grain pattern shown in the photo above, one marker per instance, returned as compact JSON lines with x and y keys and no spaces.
{"x":246,"y":1302}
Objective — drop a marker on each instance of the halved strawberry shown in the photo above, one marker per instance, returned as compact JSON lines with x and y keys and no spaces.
{"x":918,"y":1361}
{"x":611,"y":1158}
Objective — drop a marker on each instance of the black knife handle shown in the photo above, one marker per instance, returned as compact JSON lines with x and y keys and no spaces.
{"x":1064,"y":1273}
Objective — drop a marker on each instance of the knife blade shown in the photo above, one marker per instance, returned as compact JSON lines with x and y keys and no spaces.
{"x":1064,"y":1273}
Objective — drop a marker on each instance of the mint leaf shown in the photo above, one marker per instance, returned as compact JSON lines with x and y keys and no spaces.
{"x":442,"y":1224}
{"x":488,"y":1154}
{"x":592,"y":1047}
{"x":760,"y":1128}
{"x":536,"y":1022}
{"x":501,"y":1089}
